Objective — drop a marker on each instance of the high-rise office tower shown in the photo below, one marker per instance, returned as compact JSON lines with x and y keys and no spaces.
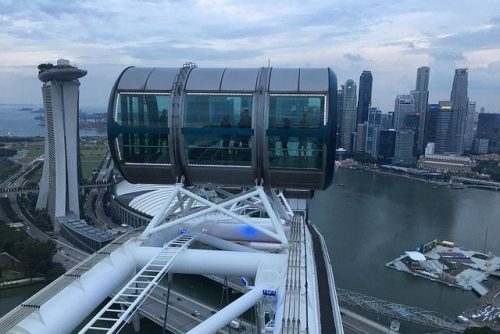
{"x":421,"y":99}
{"x":340,"y":106}
{"x":488,"y":128}
{"x":386,"y":145}
{"x":403,"y":148}
{"x":460,"y":100}
{"x":373,"y":129}
{"x":469,"y":126}
{"x":361,"y":129}
{"x":403,"y":106}
{"x":444,"y":122}
{"x":365,"y":96}
{"x":59,"y":182}
{"x":347,"y":114}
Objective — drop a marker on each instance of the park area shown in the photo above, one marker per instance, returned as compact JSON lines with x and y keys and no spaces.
{"x":16,"y":152}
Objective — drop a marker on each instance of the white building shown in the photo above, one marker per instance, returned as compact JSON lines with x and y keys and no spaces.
{"x":446,"y":163}
{"x":59,"y":182}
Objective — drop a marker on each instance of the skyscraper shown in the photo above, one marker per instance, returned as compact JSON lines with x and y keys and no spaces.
{"x":374,"y":127}
{"x":421,"y":99}
{"x":361,"y":129}
{"x":444,"y":122}
{"x":469,"y":125}
{"x":59,"y":182}
{"x":460,"y":100}
{"x":489,"y":128}
{"x":347,"y":114}
{"x":403,"y":106}
{"x":365,"y":96}
{"x":403,"y":148}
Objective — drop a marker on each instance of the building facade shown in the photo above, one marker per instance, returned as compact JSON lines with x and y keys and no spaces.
{"x":460,"y":101}
{"x":373,"y":129}
{"x":365,"y":96}
{"x":438,"y":126}
{"x":488,"y":127}
{"x":469,"y":126}
{"x":361,"y":133}
{"x":403,"y":106}
{"x":421,"y":99}
{"x":446,"y":163}
{"x":403,"y":148}
{"x":60,"y":176}
{"x":347,"y":114}
{"x":386,"y":146}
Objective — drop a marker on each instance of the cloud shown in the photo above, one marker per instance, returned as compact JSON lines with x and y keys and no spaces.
{"x":446,"y":55}
{"x":353,"y":57}
{"x":390,"y":38}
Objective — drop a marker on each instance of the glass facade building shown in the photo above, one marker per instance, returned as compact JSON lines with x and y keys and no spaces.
{"x":225,"y":126}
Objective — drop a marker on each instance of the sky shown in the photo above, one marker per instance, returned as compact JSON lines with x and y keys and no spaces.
{"x":389,"y":38}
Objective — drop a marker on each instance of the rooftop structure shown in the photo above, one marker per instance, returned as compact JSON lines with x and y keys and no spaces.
{"x":85,"y":236}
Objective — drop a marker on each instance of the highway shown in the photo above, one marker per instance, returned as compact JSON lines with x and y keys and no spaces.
{"x":67,"y":255}
{"x":97,"y":217}
{"x":356,"y":324}
{"x":181,"y":317}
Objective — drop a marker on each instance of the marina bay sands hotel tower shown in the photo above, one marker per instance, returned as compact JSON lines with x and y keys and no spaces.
{"x":59,"y":182}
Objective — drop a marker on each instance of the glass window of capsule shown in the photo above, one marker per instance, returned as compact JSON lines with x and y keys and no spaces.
{"x":143,"y":120}
{"x":296,"y":131}
{"x":218,"y":129}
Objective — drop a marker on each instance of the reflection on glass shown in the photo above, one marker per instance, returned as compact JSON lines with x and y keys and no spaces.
{"x":210,"y":150}
{"x":217,"y":129}
{"x":143,"y":148}
{"x":296,"y":130}
{"x":143,"y":120}
{"x":287,"y":152}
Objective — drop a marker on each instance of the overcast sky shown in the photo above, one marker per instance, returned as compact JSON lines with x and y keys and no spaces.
{"x":390,"y":39}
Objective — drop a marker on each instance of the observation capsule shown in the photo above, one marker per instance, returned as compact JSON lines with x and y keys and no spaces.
{"x":225,"y":126}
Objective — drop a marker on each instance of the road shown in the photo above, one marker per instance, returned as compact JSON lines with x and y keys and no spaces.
{"x":66,"y":254}
{"x":181,"y":317}
{"x":356,"y":324}
{"x":97,"y":217}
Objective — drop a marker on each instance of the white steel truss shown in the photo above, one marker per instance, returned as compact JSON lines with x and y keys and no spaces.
{"x":186,"y":205}
{"x":123,"y":305}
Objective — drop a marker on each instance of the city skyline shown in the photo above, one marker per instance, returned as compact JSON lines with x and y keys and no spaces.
{"x":348,"y":37}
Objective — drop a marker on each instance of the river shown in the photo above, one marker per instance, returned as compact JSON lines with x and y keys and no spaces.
{"x":371,"y":218}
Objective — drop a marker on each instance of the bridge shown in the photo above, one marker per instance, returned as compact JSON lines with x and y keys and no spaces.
{"x":477,"y":183}
{"x":398,"y":311}
{"x":34,"y":189}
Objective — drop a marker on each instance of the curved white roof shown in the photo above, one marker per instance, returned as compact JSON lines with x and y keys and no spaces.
{"x":151,"y":201}
{"x":125,"y":187}
{"x":416,"y":256}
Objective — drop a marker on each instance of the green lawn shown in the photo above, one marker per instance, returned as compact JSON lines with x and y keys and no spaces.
{"x":91,"y":155}
{"x":34,"y":152}
{"x":35,"y":177}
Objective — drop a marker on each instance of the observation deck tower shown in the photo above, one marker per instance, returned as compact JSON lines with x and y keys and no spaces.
{"x":60,"y":176}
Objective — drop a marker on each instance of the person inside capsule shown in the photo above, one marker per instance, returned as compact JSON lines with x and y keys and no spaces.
{"x":226,"y":139}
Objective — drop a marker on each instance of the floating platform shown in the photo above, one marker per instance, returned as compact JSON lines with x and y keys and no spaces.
{"x":448,"y":264}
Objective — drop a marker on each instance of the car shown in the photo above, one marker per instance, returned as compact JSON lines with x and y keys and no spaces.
{"x":195,"y":313}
